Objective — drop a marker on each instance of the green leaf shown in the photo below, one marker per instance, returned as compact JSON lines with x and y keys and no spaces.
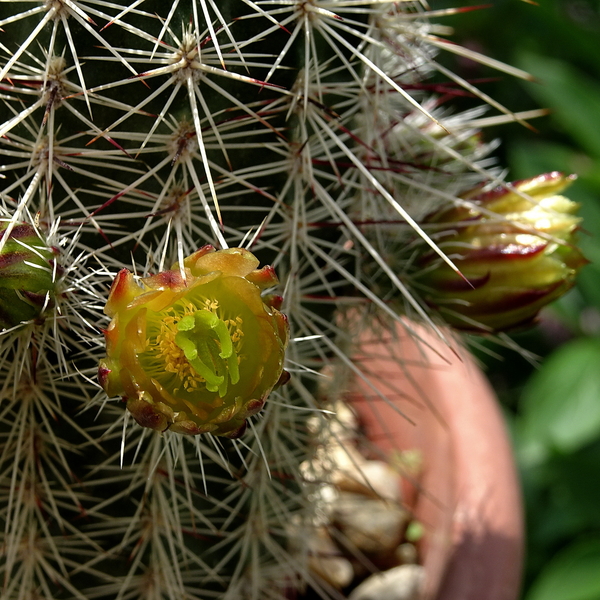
{"x":531,"y":156}
{"x":560,"y":403}
{"x":573,"y":98}
{"x":574,"y":574}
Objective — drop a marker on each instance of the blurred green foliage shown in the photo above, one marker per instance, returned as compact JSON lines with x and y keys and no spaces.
{"x":553,"y":409}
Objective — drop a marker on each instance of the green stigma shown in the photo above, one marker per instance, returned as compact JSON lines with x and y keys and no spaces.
{"x":206,"y":344}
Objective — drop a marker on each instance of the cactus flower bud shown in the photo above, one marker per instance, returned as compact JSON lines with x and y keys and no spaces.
{"x":515,"y":250}
{"x":26,"y":275}
{"x":195,"y":349}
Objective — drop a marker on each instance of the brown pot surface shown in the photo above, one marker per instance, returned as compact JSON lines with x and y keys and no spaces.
{"x":467,"y":493}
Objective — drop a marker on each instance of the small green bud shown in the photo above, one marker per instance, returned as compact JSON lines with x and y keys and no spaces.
{"x":26,"y":275}
{"x":514,"y":249}
{"x":195,"y":349}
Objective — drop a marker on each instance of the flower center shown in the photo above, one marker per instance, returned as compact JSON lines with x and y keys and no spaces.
{"x":199,"y":347}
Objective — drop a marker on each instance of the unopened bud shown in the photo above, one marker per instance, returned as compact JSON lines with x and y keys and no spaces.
{"x":515,"y":250}
{"x":26,"y":275}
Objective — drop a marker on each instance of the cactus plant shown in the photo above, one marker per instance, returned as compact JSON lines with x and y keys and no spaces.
{"x":135,"y":133}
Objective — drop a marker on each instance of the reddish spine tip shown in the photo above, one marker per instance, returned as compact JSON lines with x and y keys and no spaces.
{"x":236,"y":433}
{"x":103,"y":373}
{"x":273,"y":301}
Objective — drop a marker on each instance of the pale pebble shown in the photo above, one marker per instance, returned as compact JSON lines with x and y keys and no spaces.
{"x":406,"y":554}
{"x":399,"y":583}
{"x":371,"y":478}
{"x":370,"y":525}
{"x":325,"y":560}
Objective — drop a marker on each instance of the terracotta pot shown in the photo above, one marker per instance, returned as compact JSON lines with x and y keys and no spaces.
{"x":467,"y":494}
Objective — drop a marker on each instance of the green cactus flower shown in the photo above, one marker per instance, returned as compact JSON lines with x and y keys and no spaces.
{"x":514,"y":249}
{"x":26,"y":274}
{"x":195,"y":349}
